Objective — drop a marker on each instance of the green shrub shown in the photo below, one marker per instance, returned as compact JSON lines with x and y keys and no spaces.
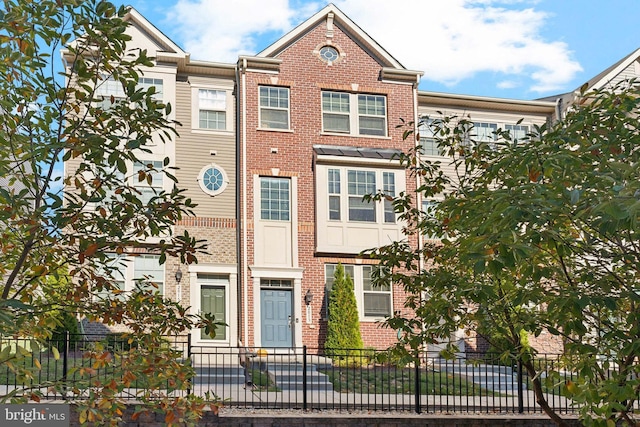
{"x":67,"y":322}
{"x":344,"y":341}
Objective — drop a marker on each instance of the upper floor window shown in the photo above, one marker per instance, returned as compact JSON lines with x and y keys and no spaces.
{"x":354,"y":114}
{"x":518,"y":132}
{"x":274,"y":107}
{"x":359,"y":183}
{"x":148,"y":179}
{"x":428,"y":143}
{"x":274,"y":198}
{"x":212,"y":109}
{"x":145,"y":83}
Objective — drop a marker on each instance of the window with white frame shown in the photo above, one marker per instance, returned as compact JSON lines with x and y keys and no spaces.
{"x":212,"y":109}
{"x":148,"y":273}
{"x":354,"y":114}
{"x":274,"y":107}
{"x":128,"y":272}
{"x":374,"y":300}
{"x":145,"y":83}
{"x":348,"y":194}
{"x":518,"y":132}
{"x":484,"y":132}
{"x":148,"y":179}
{"x":110,"y":91}
{"x":275,"y":198}
{"x":428,"y":143}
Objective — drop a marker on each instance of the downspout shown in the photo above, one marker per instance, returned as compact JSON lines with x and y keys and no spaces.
{"x":416,"y":118}
{"x":239,"y":224}
{"x":559,"y":107}
{"x":245,"y":276}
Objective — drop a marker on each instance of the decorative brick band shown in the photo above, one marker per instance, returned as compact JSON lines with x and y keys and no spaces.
{"x":208,"y":222}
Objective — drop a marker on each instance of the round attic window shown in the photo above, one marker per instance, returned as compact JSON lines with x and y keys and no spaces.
{"x":329,"y":54}
{"x":213,"y":179}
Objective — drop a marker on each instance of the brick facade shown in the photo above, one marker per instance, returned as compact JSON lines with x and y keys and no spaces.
{"x":306,"y":76}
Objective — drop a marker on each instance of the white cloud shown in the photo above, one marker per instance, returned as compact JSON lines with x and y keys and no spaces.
{"x":450,"y":40}
{"x":219,"y":30}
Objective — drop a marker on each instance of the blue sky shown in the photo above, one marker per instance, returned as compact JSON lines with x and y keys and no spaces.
{"x":523,"y":49}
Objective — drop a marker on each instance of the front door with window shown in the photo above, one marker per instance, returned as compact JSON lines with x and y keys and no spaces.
{"x":276,"y":317}
{"x":213,"y":301}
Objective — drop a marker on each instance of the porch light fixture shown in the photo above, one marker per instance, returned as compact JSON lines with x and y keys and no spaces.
{"x":178,"y":275}
{"x":308,"y":297}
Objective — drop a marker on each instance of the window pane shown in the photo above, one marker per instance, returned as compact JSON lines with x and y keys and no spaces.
{"x":274,"y":119}
{"x":147,"y":268}
{"x":334,"y":208}
{"x":213,"y":119}
{"x":274,"y":200}
{"x":148,"y":190}
{"x":145,"y":83}
{"x":371,"y":105}
{"x":360,"y":210}
{"x":372,"y":125}
{"x":335,"y":102}
{"x":518,"y":132}
{"x":389,"y":188}
{"x":335,"y":123}
{"x":212,"y":99}
{"x":484,"y":131}
{"x":377,"y":304}
{"x":334,"y":191}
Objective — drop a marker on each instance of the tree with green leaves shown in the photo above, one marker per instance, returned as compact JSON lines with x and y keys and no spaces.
{"x":343,"y":340}
{"x":537,"y":235}
{"x":49,"y":115}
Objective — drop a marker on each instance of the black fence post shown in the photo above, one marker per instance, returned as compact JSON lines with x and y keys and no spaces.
{"x":191,"y":363}
{"x":304,"y":377}
{"x":520,"y":385}
{"x":417,"y":384}
{"x":65,"y":363}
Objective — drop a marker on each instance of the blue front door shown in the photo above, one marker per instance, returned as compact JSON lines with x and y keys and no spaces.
{"x":276,"y":318}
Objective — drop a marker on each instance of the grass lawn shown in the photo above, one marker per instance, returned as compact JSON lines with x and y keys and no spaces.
{"x":393,"y":380}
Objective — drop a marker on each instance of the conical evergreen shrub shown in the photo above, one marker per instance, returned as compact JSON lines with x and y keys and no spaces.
{"x":344,"y":342}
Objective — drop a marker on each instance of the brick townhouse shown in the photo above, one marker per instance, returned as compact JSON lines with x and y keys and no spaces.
{"x":278,"y":149}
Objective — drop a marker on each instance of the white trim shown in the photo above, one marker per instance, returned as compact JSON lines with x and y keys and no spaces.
{"x":231,"y":303}
{"x":225,"y":179}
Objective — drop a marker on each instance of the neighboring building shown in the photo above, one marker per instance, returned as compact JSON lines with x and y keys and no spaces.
{"x":277,"y":150}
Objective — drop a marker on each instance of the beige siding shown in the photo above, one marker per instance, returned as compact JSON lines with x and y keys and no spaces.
{"x":194,"y":150}
{"x":627,"y":74}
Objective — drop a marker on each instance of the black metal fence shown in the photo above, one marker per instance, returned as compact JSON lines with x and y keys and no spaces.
{"x":300,"y":378}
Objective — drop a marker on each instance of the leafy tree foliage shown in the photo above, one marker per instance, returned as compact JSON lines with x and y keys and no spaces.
{"x":46,"y":116}
{"x":343,"y":325}
{"x":537,"y":235}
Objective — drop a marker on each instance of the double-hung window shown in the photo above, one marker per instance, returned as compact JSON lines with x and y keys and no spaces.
{"x":428,"y":143}
{"x":359,"y":184}
{"x":354,"y":114}
{"x":212,"y":109}
{"x":109,"y":92}
{"x":148,"y":272}
{"x":148,"y":179}
{"x":274,"y":199}
{"x":274,"y":107}
{"x":374,"y":300}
